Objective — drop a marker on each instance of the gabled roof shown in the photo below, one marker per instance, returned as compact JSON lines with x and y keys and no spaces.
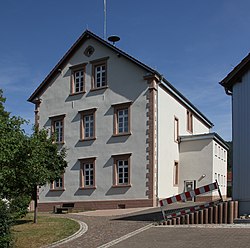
{"x":235,"y":76}
{"x":86,"y":35}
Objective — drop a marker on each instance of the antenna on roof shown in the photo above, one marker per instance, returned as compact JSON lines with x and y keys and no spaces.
{"x":113,"y":39}
{"x":105,"y":20}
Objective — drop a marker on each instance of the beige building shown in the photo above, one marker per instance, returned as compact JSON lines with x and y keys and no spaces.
{"x":126,"y":130}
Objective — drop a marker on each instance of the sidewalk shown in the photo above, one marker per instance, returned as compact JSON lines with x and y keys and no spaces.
{"x":113,"y":212}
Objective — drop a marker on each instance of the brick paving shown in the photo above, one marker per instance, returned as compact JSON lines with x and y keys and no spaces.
{"x":189,"y":237}
{"x":104,"y":229}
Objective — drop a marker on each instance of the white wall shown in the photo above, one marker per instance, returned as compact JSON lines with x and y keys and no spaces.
{"x":168,"y":149}
{"x":196,"y":160}
{"x":125,"y":81}
{"x":220,"y":166}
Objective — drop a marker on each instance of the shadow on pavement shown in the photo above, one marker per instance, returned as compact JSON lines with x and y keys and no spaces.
{"x":155,"y":214}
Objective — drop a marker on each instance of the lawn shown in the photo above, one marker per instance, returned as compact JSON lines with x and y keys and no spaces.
{"x":48,"y":230}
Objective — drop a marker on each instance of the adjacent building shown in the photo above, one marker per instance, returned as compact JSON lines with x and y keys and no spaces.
{"x":131,"y":137}
{"x":237,"y":85}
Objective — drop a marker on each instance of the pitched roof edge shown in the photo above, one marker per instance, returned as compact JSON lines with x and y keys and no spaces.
{"x":88,"y":33}
{"x":72,"y":48}
{"x":186,"y":102}
{"x":236,"y":74}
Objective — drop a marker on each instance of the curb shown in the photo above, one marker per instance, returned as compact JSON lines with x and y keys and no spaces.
{"x":83,"y":229}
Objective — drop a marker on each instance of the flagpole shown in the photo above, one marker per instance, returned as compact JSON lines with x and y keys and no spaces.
{"x":105,"y":21}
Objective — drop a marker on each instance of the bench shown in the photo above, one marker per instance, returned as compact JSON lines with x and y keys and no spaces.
{"x":65,"y":207}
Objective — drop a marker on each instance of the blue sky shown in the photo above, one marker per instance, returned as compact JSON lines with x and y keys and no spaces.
{"x":194,"y":44}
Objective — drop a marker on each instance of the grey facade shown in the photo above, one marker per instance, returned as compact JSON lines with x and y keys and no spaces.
{"x":237,"y":84}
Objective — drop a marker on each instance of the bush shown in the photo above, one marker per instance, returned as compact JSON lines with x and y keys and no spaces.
{"x":5,"y":224}
{"x":19,"y":206}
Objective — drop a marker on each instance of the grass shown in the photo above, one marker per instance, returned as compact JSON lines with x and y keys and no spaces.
{"x":49,"y":229}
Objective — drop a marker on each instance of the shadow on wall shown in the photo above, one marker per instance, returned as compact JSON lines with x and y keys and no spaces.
{"x":76,"y":166}
{"x":86,"y":192}
{"x":83,"y":143}
{"x":117,"y":191}
{"x":54,"y":193}
{"x":118,"y":139}
{"x":109,"y":163}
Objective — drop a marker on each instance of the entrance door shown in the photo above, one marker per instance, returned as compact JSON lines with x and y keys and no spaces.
{"x":189,"y":185}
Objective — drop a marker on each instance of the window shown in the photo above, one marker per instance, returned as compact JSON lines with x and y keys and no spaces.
{"x":121,"y":171}
{"x":176,"y":173}
{"x":87,"y":129}
{"x":216,"y":150}
{"x":78,"y":79}
{"x":122,"y":119}
{"x":99,"y":73}
{"x":189,"y":121}
{"x":57,"y":184}
{"x":87,"y":173}
{"x":176,"y":129}
{"x":57,"y":128}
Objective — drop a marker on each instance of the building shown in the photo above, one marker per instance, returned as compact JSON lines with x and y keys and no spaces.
{"x":237,"y":85}
{"x":131,"y":137}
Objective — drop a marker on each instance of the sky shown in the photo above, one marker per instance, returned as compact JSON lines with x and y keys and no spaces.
{"x":194,"y":44}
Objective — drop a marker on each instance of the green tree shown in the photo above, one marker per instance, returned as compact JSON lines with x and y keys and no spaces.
{"x":5,"y":223}
{"x":25,"y":161}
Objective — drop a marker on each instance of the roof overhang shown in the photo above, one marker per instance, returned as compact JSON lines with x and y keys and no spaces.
{"x":235,"y":76}
{"x":211,"y":136}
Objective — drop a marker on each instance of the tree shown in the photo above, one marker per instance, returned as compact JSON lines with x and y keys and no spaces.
{"x":25,"y":161}
{"x":44,"y":163}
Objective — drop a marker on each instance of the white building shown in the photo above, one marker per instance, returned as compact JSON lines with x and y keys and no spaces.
{"x":131,"y":137}
{"x":237,"y":84}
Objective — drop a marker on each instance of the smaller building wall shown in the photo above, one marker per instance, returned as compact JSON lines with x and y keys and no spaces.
{"x":199,"y":164}
{"x":220,"y":166}
{"x":169,"y":109}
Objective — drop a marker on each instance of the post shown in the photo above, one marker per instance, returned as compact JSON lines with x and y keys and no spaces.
{"x":35,"y":196}
{"x":219,"y":190}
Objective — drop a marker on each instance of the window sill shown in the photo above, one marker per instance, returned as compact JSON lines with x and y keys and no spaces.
{"x":77,"y":93}
{"x":122,"y":186}
{"x":58,"y":189}
{"x":86,"y":188}
{"x":121,"y":134}
{"x":100,"y":88}
{"x":87,"y":139}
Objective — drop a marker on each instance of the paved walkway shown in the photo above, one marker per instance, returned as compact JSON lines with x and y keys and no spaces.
{"x":107,"y":225}
{"x":188,"y":237}
{"x":133,"y":228}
